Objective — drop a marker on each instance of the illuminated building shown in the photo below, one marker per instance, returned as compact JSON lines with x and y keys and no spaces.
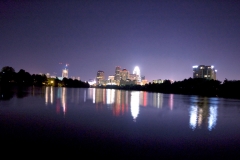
{"x":124,"y":74}
{"x":111,"y":81}
{"x":136,"y":71}
{"x":117,"y":75}
{"x":202,"y":71}
{"x":144,"y":81}
{"x":65,"y":73}
{"x":100,"y":77}
{"x":158,"y":81}
{"x":111,"y":78}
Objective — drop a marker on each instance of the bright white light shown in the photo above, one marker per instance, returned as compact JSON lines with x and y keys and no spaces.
{"x":212,"y":66}
{"x":93,"y":95}
{"x":137,"y":72}
{"x":215,"y":70}
{"x":110,"y":96}
{"x":135,"y":104}
{"x":92,"y":82}
{"x":193,"y":117}
{"x":194,"y":66}
{"x":212,"y":120}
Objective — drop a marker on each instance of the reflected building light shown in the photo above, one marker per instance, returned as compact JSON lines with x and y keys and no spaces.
{"x":51,"y":95}
{"x":90,"y":93}
{"x":141,"y":98}
{"x":161,"y":99}
{"x":145,"y":99}
{"x":122,"y":102}
{"x":171,"y":101}
{"x":104,"y":96}
{"x":134,"y":105}
{"x":64,"y":100}
{"x":117,"y":106}
{"x":126,"y":100}
{"x":212,"y":121}
{"x":110,"y":96}
{"x":158,"y":100}
{"x":93,"y":95}
{"x":46,"y":95}
{"x":193,"y":117}
{"x":200,"y":116}
{"x":59,"y":94}
{"x":85,"y":95}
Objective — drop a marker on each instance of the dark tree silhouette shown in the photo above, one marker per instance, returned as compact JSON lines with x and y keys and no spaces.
{"x":7,"y":76}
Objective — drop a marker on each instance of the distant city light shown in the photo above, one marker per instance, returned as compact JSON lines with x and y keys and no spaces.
{"x":92,"y":82}
{"x":136,"y":70}
{"x":215,"y":70}
{"x":212,"y":66}
{"x":195,"y":67}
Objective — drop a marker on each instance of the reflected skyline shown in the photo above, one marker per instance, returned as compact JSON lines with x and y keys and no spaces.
{"x":203,"y":112}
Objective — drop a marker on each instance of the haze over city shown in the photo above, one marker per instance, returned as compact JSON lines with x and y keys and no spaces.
{"x":164,"y":38}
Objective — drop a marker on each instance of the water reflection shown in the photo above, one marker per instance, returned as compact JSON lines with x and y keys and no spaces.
{"x":171,"y":101}
{"x":203,"y":111}
{"x":134,"y":105}
{"x":61,"y":98}
{"x":116,"y":100}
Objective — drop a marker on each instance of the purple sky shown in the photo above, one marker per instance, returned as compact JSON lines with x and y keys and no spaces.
{"x":164,"y":38}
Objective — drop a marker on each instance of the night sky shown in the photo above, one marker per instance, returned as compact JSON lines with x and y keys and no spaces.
{"x":164,"y":38}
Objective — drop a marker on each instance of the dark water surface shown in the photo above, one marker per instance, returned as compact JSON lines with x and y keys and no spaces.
{"x":119,"y":124}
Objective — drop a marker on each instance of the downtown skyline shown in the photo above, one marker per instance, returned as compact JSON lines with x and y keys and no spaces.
{"x":164,"y":38}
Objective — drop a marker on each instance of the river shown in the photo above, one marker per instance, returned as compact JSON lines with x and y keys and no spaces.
{"x":119,"y":124}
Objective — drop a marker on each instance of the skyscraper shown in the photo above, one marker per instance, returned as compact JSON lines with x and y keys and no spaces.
{"x":100,"y":77}
{"x":202,"y":71}
{"x":124,"y":74}
{"x":117,"y":75}
{"x":137,"y":72}
{"x":65,"y":72}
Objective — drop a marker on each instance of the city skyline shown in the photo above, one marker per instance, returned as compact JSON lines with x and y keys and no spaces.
{"x":164,"y":38}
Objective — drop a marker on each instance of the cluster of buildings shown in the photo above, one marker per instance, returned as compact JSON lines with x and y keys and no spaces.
{"x":121,"y":77}
{"x":124,"y":77}
{"x":64,"y":75}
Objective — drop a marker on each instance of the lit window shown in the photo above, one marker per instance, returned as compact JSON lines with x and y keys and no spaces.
{"x":205,"y":75}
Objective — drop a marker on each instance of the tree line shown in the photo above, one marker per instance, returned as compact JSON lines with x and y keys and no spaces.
{"x":191,"y":86}
{"x":8,"y":77}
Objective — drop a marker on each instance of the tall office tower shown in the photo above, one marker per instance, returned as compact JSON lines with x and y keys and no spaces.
{"x":137,"y":72}
{"x":202,"y":71}
{"x":117,"y":75}
{"x":124,"y":74}
{"x":65,"y":73}
{"x":100,"y":77}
